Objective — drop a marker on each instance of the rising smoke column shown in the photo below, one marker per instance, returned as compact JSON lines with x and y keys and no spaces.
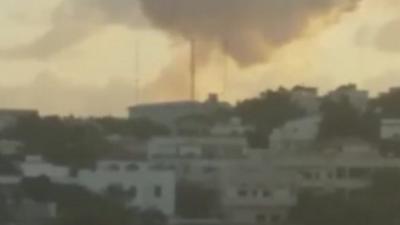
{"x":247,"y":30}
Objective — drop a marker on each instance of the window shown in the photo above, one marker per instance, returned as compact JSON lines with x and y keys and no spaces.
{"x":132,"y":192}
{"x":255,"y":193}
{"x":158,"y":191}
{"x":266,"y":194}
{"x":132,"y":167}
{"x":276,"y":218}
{"x":341,"y":173}
{"x":242,"y":193}
{"x":113,"y":167}
{"x":261,"y":218}
{"x":209,"y":169}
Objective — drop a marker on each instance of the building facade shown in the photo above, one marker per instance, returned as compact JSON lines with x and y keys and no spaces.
{"x":296,"y":134}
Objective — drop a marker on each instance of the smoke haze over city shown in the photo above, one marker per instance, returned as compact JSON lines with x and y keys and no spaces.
{"x":61,"y":55}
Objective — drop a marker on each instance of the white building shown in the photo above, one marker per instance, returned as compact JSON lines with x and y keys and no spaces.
{"x":253,"y":193}
{"x":232,"y":128}
{"x":357,"y":98}
{"x":148,"y":188}
{"x":35,"y":166}
{"x":306,"y":99}
{"x":295,"y":134}
{"x":346,"y":166}
{"x":390,"y":129}
{"x":168,"y":113}
{"x":10,"y":147}
{"x":210,"y":147}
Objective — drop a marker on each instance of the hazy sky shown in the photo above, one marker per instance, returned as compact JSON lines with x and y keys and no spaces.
{"x":79,"y":56}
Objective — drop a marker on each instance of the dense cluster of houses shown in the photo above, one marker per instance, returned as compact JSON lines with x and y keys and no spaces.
{"x":256,"y":186}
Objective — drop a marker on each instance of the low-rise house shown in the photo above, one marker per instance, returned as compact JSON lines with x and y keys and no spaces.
{"x":390,"y":137}
{"x":142,"y":186}
{"x":254,"y":193}
{"x":10,"y":147}
{"x":209,"y":147}
{"x":340,"y":166}
{"x":357,"y":98}
{"x":168,"y":113}
{"x":306,"y":99}
{"x":390,"y":129}
{"x":36,"y":166}
{"x":233,"y":127}
{"x":295,"y":134}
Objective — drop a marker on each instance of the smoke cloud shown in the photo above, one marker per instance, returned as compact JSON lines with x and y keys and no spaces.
{"x":248,"y":31}
{"x":74,"y":21}
{"x":53,"y":95}
{"x":388,"y":37}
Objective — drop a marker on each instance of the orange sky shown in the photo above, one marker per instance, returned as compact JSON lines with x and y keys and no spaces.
{"x":96,"y":76}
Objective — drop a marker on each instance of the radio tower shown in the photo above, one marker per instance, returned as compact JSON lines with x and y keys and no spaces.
{"x":193,"y":69}
{"x":137,"y":72}
{"x":226,"y":70}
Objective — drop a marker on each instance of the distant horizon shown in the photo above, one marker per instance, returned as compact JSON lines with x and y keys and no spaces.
{"x":91,"y":57}
{"x":88,"y":116}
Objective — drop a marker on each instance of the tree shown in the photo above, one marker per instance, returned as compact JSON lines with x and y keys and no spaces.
{"x":270,"y":110}
{"x":194,"y":201}
{"x":78,"y":206}
{"x":340,"y":119}
{"x":67,"y":143}
{"x":152,"y":217}
{"x":376,"y":204}
{"x":388,"y":104}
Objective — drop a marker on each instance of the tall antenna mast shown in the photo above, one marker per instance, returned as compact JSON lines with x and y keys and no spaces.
{"x":193,"y":69}
{"x":226,"y":70}
{"x":137,"y":71}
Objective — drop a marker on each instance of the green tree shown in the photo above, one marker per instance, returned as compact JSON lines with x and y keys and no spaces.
{"x":270,"y":110}
{"x":74,"y":144}
{"x":78,"y":206}
{"x":388,"y":104}
{"x":376,"y":204}
{"x":194,"y":201}
{"x":340,"y":119}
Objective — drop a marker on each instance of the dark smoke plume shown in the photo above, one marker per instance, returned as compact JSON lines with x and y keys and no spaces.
{"x":247,"y":30}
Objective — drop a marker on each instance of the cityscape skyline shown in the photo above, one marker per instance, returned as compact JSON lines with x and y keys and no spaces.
{"x":95,"y":75}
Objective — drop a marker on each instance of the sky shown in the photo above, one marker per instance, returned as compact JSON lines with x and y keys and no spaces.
{"x":97,"y":57}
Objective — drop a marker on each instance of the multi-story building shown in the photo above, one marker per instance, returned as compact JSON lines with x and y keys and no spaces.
{"x":208,"y":147}
{"x":357,"y":98}
{"x":233,"y":127}
{"x":390,"y":137}
{"x":254,"y":193}
{"x":168,"y":113}
{"x":345,"y":165}
{"x":36,"y":166}
{"x":306,"y":99}
{"x":296,"y":134}
{"x":390,"y":129}
{"x":145,"y":187}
